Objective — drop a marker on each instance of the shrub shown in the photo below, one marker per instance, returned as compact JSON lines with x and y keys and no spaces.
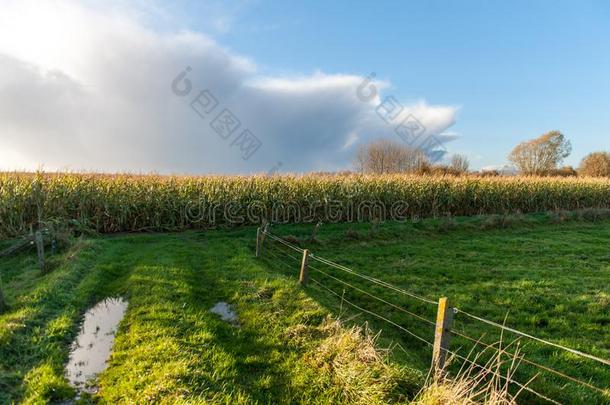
{"x":560,"y":216}
{"x":593,"y":214}
{"x":352,"y":234}
{"x":489,"y":173}
{"x":566,"y":171}
{"x":447,"y":223}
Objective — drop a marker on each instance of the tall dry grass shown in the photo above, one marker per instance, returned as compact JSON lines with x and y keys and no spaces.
{"x":486,"y":377}
{"x":360,"y":372}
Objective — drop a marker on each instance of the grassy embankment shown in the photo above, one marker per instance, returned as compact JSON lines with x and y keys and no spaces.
{"x":552,"y":279}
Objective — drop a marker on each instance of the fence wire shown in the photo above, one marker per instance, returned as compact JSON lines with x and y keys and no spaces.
{"x":391,"y":287}
{"x":343,"y":299}
{"x":421,"y":318}
{"x":348,"y":270}
{"x":525,"y":335}
{"x":280,"y":259}
{"x":428,"y":343}
{"x":372,"y":279}
{"x":507,"y":379}
{"x":530,"y":362}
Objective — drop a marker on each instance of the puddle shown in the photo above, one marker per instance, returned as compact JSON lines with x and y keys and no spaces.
{"x":92,"y":347}
{"x":224,"y":310}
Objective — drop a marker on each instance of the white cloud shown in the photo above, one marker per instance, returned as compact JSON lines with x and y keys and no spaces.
{"x":89,"y":89}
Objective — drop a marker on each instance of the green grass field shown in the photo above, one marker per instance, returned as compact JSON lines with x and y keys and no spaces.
{"x":547,"y":279}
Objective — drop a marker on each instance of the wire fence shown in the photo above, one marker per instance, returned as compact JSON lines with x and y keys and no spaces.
{"x":327,"y":275}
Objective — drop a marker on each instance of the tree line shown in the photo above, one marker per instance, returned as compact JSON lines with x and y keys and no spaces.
{"x":542,"y":156}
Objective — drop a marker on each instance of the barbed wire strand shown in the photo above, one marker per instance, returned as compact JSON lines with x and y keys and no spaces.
{"x":283,"y":262}
{"x":521,"y":386}
{"x":372,"y":279}
{"x":371,"y":313}
{"x":509,"y":380}
{"x":298,"y":259}
{"x":283,"y":242}
{"x":503,"y":327}
{"x":530,"y":362}
{"x":271,"y":246}
{"x":457,"y":310}
{"x":348,"y":270}
{"x":523,"y":334}
{"x":421,"y":318}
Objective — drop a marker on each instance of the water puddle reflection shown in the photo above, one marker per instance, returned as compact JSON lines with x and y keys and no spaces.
{"x":225,"y":311}
{"x":92,"y":347}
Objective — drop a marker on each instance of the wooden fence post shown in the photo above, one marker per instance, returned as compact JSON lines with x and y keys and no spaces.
{"x":40,"y":250}
{"x":304,"y":268}
{"x":442,"y":335}
{"x":263,"y":236}
{"x":258,"y":241}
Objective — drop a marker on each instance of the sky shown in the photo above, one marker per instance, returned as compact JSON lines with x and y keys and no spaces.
{"x":294,"y":86}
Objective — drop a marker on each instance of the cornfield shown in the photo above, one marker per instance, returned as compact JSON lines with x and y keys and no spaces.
{"x":129,"y":203}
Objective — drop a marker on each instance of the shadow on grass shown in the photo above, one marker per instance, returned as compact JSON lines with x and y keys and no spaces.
{"x":187,"y":350}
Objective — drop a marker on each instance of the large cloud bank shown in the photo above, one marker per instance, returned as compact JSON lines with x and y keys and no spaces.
{"x":86,"y":89}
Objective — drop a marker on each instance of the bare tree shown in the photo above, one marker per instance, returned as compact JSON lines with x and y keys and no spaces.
{"x":387,"y":156}
{"x":541,"y":155}
{"x":596,"y":164}
{"x":459,"y":163}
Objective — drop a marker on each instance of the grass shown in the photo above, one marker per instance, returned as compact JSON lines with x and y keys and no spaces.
{"x":170,"y":348}
{"x":551,"y":279}
{"x":547,"y":279}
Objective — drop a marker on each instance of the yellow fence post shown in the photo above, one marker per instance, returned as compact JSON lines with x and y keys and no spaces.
{"x":304,"y":268}
{"x":442,"y":335}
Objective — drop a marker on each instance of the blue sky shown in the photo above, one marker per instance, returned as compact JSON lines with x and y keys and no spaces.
{"x":79,"y":77}
{"x":516,"y":69}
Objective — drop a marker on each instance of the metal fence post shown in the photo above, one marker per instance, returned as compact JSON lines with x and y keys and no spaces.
{"x":442,"y":335}
{"x":304,"y":268}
